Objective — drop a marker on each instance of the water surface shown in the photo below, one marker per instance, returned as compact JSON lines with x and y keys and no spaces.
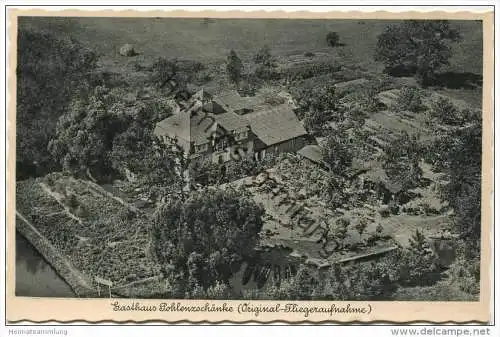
{"x":34,"y":276}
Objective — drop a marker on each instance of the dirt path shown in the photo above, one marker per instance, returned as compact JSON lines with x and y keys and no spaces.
{"x":57,"y":197}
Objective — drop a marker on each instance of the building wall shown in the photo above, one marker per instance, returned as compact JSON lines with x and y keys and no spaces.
{"x":234,"y":152}
{"x":291,"y":145}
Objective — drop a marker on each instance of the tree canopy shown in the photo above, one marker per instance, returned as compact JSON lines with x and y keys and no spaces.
{"x":84,"y":137}
{"x":205,"y":238}
{"x":234,"y":67}
{"x":463,"y":163}
{"x":416,"y":46}
{"x":338,"y":152}
{"x":402,"y":156}
{"x":50,"y":72}
{"x":333,"y":39}
{"x":174,"y":75}
{"x":320,"y":106}
{"x":265,"y":62}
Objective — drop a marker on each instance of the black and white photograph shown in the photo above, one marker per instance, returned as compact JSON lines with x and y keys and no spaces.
{"x":248,"y":159}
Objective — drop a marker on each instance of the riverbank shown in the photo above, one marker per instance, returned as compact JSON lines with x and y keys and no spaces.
{"x":35,"y":277}
{"x":76,"y":280}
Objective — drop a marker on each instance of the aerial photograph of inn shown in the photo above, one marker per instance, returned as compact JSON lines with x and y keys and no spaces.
{"x":249,"y":159}
{"x":228,"y":126}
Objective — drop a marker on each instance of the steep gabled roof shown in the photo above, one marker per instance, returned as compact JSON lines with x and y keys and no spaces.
{"x":176,"y":125}
{"x":231,"y":121}
{"x":276,"y":125}
{"x":190,"y":127}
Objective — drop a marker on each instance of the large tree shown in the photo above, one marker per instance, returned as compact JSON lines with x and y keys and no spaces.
{"x":234,"y":67}
{"x":174,"y":75}
{"x":402,"y":156}
{"x":321,"y":106}
{"x":418,"y":46}
{"x":50,"y":72}
{"x":462,"y":161}
{"x":131,"y":146}
{"x":205,"y":238}
{"x":265,"y":63}
{"x":84,"y":137}
{"x":338,"y":152}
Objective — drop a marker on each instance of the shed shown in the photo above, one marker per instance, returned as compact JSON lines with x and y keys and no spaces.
{"x":313,"y":153}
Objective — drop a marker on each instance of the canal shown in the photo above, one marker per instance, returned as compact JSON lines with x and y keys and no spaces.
{"x":34,"y":276}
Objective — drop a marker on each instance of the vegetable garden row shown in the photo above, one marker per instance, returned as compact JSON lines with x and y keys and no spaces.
{"x":110,"y":241}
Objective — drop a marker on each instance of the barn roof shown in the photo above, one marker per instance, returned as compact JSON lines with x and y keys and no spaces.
{"x":276,"y":125}
{"x":231,"y":121}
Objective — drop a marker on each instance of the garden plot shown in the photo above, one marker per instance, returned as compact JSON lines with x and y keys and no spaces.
{"x":391,"y":124}
{"x":294,"y":196}
{"x":297,"y":217}
{"x":99,"y":235}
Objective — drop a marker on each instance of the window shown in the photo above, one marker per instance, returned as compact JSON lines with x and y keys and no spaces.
{"x":201,"y":148}
{"x":221,"y":144}
{"x":241,"y":135}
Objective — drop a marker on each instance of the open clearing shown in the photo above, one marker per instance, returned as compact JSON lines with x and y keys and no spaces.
{"x":198,"y":39}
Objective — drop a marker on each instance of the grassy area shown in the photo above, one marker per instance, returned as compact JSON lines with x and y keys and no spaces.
{"x":196,"y":39}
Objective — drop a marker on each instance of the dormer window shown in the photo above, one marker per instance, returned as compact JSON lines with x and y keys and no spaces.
{"x":241,"y":135}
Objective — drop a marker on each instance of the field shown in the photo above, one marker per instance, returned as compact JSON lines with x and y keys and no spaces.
{"x":198,"y":39}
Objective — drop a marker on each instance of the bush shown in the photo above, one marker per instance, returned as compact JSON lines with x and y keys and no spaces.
{"x":219,"y":291}
{"x":410,"y":99}
{"x":309,"y":54}
{"x":361,"y":225}
{"x":384,"y":211}
{"x":364,"y":281}
{"x":81,"y":212}
{"x":127,"y":50}
{"x":272,"y":96}
{"x":333,"y":39}
{"x":71,"y":202}
{"x":139,"y":67}
{"x":316,"y":121}
{"x":446,"y":112}
{"x":418,"y":263}
{"x":125,"y":214}
{"x":298,"y":72}
{"x":466,"y":274}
